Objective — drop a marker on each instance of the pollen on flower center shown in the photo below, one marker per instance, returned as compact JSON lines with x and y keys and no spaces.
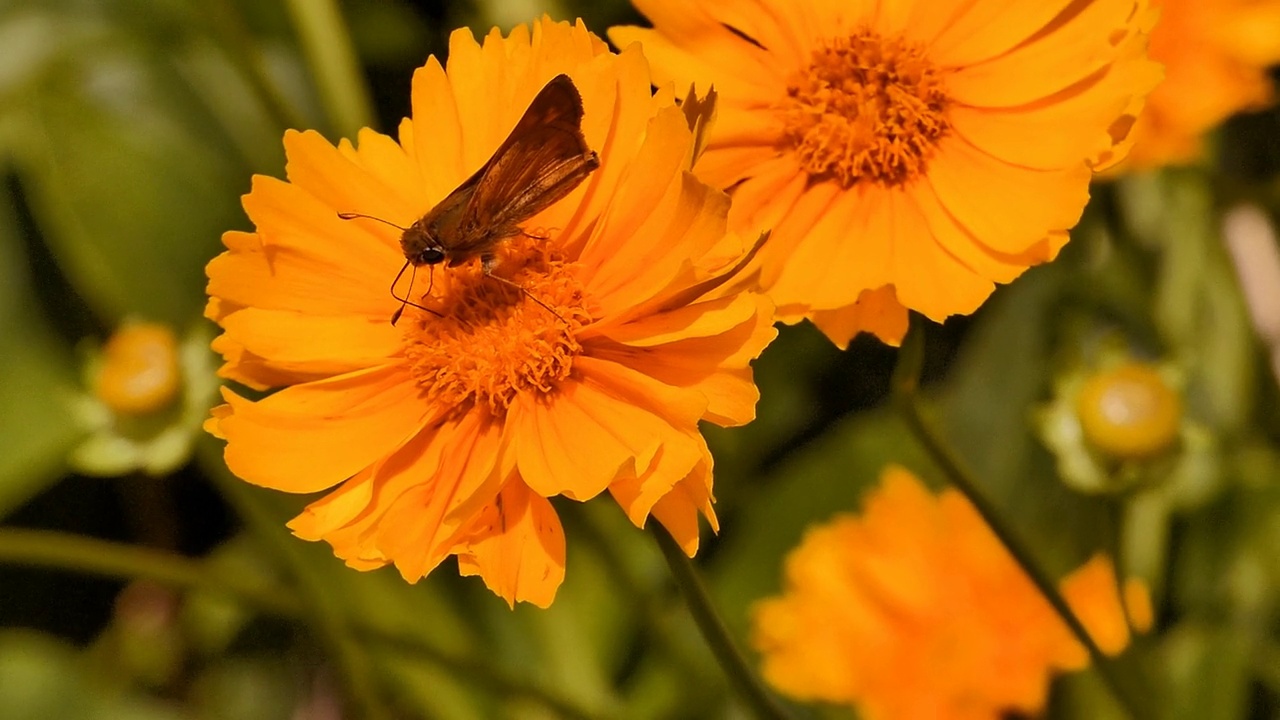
{"x":492,"y":340}
{"x":866,"y":108}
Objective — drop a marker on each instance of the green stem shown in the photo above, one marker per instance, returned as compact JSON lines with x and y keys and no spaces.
{"x":714,"y":631}
{"x":326,"y":44}
{"x":62,"y":551}
{"x":591,"y":526}
{"x":89,"y":556}
{"x":906,"y":386}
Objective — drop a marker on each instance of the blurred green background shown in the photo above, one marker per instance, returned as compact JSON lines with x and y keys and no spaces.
{"x":128,"y":131}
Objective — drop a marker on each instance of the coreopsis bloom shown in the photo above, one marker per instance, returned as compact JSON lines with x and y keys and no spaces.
{"x":1215,"y":54}
{"x":905,"y":154}
{"x":915,"y":610}
{"x":584,"y":363}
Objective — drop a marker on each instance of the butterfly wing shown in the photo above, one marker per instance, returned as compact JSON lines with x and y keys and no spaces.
{"x":543,"y":159}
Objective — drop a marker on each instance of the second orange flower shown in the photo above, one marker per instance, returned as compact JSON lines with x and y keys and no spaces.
{"x":908,"y":154}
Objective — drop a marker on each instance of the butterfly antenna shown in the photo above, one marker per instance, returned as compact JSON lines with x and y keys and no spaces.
{"x":353,"y":216}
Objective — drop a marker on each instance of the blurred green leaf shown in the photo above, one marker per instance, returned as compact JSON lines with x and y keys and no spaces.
{"x":1200,"y":310}
{"x":1207,"y":672}
{"x":237,"y":688}
{"x":133,"y":139}
{"x":36,"y":428}
{"x":42,"y":679}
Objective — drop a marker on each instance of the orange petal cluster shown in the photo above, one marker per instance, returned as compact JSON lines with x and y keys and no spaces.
{"x":617,"y":331}
{"x":906,"y":155}
{"x":1215,"y":55}
{"x":914,"y":609}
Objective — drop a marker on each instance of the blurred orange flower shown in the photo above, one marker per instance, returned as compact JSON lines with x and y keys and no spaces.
{"x":907,"y":154}
{"x":446,"y":434}
{"x":1215,"y":55}
{"x":915,"y":610}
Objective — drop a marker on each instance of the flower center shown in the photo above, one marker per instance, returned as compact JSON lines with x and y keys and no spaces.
{"x":866,"y":108}
{"x":493,"y":340}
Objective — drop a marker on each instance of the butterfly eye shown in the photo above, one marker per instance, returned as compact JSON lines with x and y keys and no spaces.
{"x":430,"y":256}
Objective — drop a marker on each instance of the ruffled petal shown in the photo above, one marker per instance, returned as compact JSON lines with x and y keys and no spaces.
{"x":305,"y":344}
{"x":312,"y":436}
{"x":714,"y":361}
{"x":517,"y":547}
{"x":676,"y":503}
{"x":1071,"y":50}
{"x":433,"y":493}
{"x":876,"y":311}
{"x":1016,"y":207}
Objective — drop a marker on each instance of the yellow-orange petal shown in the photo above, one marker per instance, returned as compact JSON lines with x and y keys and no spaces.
{"x":1017,"y":205}
{"x":934,"y":283}
{"x":1031,"y":137}
{"x":336,"y":181}
{"x":875,"y":311}
{"x":433,"y":493}
{"x":735,"y":67}
{"x":312,"y":436}
{"x":436,"y":131}
{"x":965,"y":247}
{"x":679,"y":509}
{"x":577,"y":442}
{"x":1070,"y":52}
{"x":982,"y":30}
{"x":680,"y":361}
{"x":383,"y":158}
{"x":278,"y":276}
{"x":306,"y":343}
{"x":517,"y":547}
{"x":846,"y":251}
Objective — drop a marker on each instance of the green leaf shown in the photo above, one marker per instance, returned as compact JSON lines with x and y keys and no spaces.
{"x":41,"y":678}
{"x":36,"y":428}
{"x":1206,"y":672}
{"x":130,"y":139}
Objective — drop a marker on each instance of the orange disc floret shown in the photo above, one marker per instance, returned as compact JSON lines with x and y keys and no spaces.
{"x":579,"y":359}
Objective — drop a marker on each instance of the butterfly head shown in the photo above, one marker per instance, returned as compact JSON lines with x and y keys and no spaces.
{"x":421,"y":246}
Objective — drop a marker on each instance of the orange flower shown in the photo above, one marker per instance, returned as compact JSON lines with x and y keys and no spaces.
{"x":907,"y":154}
{"x":915,"y":610}
{"x":446,"y":434}
{"x":1215,"y":55}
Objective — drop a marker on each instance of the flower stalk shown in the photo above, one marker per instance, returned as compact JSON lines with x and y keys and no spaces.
{"x":713,"y":630}
{"x":906,"y":386}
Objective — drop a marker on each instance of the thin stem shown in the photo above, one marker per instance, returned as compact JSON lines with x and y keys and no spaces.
{"x":906,"y":386}
{"x":327,"y":47}
{"x":714,"y":631}
{"x":89,"y":556}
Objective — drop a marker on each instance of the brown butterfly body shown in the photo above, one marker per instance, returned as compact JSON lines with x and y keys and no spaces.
{"x":542,"y":160}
